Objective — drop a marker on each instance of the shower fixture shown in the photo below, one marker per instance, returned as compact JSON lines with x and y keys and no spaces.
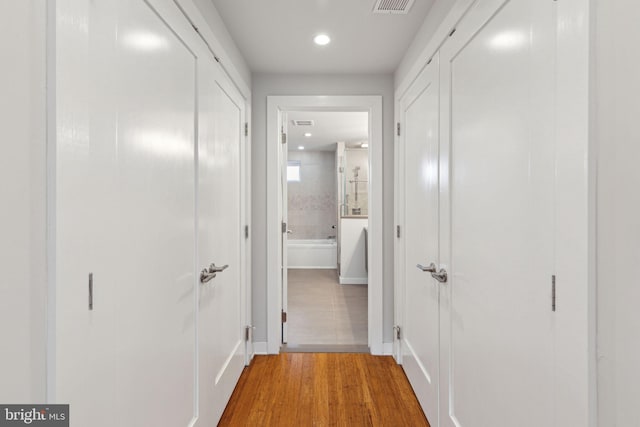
{"x":356,"y":210}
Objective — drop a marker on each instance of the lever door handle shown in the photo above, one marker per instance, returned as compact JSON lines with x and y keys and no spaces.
{"x":430,"y":269}
{"x":214,"y":269}
{"x":205,"y":276}
{"x":209,"y":273}
{"x":440,"y":276}
{"x":289,"y":231}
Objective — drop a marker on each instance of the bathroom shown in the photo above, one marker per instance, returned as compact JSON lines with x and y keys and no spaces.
{"x":327,"y":208}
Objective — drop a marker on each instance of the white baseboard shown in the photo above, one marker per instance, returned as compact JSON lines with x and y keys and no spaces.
{"x":260,"y":347}
{"x":354,"y":280}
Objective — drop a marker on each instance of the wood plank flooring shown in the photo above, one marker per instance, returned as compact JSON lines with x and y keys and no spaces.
{"x":322,"y":389}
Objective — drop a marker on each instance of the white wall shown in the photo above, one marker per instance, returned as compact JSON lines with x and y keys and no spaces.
{"x":23,"y":200}
{"x":438,"y":11}
{"x":616,"y":110}
{"x":271,"y":84}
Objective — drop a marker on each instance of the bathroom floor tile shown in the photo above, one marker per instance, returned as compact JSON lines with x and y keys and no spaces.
{"x":321,"y":311}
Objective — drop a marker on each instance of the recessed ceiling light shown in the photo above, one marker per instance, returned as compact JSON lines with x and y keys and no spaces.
{"x":300,"y":147}
{"x":307,"y":134}
{"x":364,"y":145}
{"x":322,"y":40}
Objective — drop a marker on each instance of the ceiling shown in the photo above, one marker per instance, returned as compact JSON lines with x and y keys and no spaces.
{"x":328,"y":128}
{"x":276,"y":36}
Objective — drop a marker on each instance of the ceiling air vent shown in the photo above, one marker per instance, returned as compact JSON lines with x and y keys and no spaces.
{"x":393,"y":6}
{"x":302,"y":122}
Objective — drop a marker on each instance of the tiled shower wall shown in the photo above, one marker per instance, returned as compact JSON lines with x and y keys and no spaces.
{"x":312,"y":201}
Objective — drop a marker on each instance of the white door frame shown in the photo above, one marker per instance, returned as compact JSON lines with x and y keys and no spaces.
{"x":275,"y":106}
{"x":245,"y":167}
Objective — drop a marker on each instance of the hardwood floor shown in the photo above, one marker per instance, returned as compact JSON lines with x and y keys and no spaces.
{"x":321,"y":389}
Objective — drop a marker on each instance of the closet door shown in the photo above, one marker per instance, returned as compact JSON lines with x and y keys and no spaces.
{"x":221,"y":301}
{"x":420,"y":326}
{"x":83,"y":373}
{"x":125,"y":195}
{"x":155,"y":255}
{"x":497,"y":241}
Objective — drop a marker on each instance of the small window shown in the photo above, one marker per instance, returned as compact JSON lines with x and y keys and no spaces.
{"x":293,"y":171}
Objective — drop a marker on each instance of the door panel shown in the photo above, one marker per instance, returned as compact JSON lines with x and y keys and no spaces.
{"x":155,"y":143}
{"x":220,"y":333}
{"x":420,"y":331}
{"x":497,"y":324}
{"x":86,"y":223}
{"x":126,"y":212}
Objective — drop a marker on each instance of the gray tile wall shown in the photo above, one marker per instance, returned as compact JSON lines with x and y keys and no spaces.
{"x":312,"y":201}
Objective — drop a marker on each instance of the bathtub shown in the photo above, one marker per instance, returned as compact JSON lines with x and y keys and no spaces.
{"x":315,"y":253}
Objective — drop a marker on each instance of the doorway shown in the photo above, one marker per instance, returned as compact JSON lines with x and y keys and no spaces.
{"x":278,"y":140}
{"x":325,"y":207}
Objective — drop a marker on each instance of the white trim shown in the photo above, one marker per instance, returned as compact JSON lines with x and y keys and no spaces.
{"x":248,"y":242}
{"x":276,"y":105}
{"x":575,"y":387}
{"x":398,"y":220}
{"x":227,"y":362}
{"x":354,"y":280}
{"x":196,"y":245}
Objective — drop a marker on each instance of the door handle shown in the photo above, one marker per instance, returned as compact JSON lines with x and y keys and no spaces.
{"x":289,"y":231}
{"x":205,"y":276}
{"x":214,"y":269}
{"x":430,"y":269}
{"x":440,"y":276}
{"x":209,"y":273}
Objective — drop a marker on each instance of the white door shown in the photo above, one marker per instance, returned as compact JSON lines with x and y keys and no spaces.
{"x":221,"y":349}
{"x":420,"y":326}
{"x":284,"y":155}
{"x":497,"y":211}
{"x":125,"y":212}
{"x":156,"y":251}
{"x":86,"y":218}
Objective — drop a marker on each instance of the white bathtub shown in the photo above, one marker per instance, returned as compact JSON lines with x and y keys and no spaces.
{"x":316,"y":253}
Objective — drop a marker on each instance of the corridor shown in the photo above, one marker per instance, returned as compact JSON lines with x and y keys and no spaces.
{"x":465,"y":235}
{"x":319,"y":389}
